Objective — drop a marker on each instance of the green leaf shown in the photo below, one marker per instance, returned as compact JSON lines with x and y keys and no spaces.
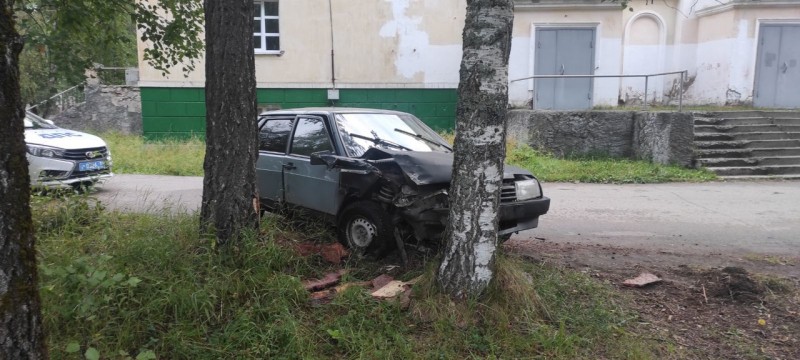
{"x":92,"y":354}
{"x":72,"y":347}
{"x":146,"y":355}
{"x":133,"y":281}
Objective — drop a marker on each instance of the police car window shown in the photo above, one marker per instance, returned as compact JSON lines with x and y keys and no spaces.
{"x":34,"y":122}
{"x":310,"y":137}
{"x":274,"y":135}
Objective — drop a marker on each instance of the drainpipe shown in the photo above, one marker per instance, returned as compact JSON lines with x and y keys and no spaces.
{"x":333,"y":57}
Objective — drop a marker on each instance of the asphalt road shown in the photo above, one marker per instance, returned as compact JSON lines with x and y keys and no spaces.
{"x":726,"y":217}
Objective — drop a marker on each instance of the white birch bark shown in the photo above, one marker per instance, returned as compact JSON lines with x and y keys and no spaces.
{"x":471,"y":235}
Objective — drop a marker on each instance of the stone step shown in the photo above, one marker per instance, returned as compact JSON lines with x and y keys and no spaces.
{"x":748,"y":121}
{"x":746,"y":153}
{"x":756,"y":170}
{"x":752,"y":113}
{"x":748,"y":144}
{"x":769,"y":135}
{"x":761,"y":177}
{"x":738,"y":162}
{"x":745,"y":128}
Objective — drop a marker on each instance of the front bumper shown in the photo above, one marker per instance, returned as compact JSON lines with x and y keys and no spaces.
{"x":60,"y":173}
{"x":513,"y":217}
{"x":521,"y":215}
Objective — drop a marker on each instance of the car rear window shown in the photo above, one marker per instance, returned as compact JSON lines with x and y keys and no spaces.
{"x":310,"y":137}
{"x":274,"y":135}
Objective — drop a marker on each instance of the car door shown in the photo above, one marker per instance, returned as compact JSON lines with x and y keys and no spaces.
{"x":273,"y":145}
{"x":310,"y":186}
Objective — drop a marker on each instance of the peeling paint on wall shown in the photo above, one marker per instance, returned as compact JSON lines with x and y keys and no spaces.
{"x":415,"y":55}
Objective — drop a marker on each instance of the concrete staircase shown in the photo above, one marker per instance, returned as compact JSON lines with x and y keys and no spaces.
{"x":749,"y":144}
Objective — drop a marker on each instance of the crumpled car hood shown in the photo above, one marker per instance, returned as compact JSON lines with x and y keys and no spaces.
{"x":428,"y":167}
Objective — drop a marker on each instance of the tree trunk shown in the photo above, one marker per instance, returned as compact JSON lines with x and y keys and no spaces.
{"x":468,"y":262}
{"x":21,"y":335}
{"x":229,"y":191}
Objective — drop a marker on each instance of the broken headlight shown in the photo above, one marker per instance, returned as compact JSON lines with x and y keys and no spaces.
{"x":528,"y":189}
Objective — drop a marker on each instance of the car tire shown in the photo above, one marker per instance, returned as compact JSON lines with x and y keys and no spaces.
{"x":365,"y":227}
{"x":503,"y":238}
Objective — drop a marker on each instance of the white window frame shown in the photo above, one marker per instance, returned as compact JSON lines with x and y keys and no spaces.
{"x":263,"y":35}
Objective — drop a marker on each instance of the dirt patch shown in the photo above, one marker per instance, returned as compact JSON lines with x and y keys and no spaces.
{"x":712,"y":306}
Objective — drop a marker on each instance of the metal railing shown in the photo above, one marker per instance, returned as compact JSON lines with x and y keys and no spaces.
{"x":61,"y":101}
{"x":683,"y":73}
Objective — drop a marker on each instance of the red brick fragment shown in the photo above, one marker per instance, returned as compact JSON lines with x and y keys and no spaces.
{"x":381,"y":281}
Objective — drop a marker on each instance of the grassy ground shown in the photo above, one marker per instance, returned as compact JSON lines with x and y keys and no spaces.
{"x":145,"y":286}
{"x":132,"y":155}
{"x":595,"y":169}
{"x":599,"y":169}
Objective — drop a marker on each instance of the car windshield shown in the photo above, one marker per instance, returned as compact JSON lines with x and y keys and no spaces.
{"x":33,"y":121}
{"x":397,"y":132}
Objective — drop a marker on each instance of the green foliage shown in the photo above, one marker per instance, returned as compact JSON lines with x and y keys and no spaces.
{"x":134,"y":286}
{"x":174,"y":31}
{"x":134,"y":155}
{"x":599,"y":169}
{"x":64,"y":38}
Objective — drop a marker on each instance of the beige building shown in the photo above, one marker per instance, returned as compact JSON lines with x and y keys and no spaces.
{"x":405,"y":54}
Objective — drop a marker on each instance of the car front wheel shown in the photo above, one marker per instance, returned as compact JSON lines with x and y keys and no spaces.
{"x":365,"y":227}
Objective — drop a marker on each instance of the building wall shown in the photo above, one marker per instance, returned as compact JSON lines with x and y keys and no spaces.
{"x":180,"y":111}
{"x":726,"y":49}
{"x":405,"y":54}
{"x":377,"y":43}
{"x":608,"y":47}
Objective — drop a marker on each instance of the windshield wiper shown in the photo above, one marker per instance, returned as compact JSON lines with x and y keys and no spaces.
{"x":420,"y":137}
{"x":375,"y":139}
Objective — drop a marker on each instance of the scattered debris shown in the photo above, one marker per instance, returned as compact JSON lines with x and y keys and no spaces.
{"x":332,"y":253}
{"x":642,"y":280}
{"x":324,"y":283}
{"x":383,"y":287}
{"x":391,"y":290}
{"x":381,"y":281}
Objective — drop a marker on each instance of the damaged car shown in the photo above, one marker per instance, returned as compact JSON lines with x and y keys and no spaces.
{"x":380,"y":177}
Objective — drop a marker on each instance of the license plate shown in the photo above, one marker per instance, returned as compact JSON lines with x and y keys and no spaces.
{"x":92,"y":165}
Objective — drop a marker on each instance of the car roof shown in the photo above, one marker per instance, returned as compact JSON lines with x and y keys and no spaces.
{"x":330,"y":110}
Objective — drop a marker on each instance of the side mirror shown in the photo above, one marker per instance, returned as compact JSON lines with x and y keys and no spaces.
{"x":50,"y":122}
{"x":323,"y":158}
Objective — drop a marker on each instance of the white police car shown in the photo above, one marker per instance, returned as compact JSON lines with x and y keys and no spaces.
{"x":64,"y":158}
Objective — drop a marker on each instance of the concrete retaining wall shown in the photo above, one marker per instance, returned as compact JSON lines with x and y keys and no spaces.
{"x":106,"y":108}
{"x":660,"y":137}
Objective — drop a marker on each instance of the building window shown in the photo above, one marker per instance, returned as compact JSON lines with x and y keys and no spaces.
{"x":266,"y":34}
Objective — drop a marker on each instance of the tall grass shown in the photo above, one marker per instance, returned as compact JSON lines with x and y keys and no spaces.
{"x":133,"y":155}
{"x":135,"y":285}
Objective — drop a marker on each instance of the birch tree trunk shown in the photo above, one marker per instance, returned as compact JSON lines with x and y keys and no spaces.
{"x":21,"y":335}
{"x":471,"y":234}
{"x":229,"y":190}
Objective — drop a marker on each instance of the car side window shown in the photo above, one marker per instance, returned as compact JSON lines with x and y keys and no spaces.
{"x":274,"y":135}
{"x":310,"y":136}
